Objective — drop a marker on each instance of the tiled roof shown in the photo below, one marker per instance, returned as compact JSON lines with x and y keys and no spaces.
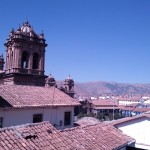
{"x":97,"y":137}
{"x":104,"y":102}
{"x":141,"y":109}
{"x":127,"y":119}
{"x":134,"y":108}
{"x":24,"y":96}
{"x":98,"y":108}
{"x":37,"y":136}
{"x":42,"y":136}
{"x":126,"y":108}
{"x":130,"y":99}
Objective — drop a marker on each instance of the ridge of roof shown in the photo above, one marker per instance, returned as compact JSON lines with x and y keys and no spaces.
{"x":127,"y":119}
{"x":24,"y":125}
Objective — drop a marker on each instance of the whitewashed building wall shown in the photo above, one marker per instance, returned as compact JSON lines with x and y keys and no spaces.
{"x":138,"y":129}
{"x":126,"y":102}
{"x":13,"y":117}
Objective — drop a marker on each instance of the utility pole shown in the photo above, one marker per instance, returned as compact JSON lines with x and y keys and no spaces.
{"x":113,"y":108}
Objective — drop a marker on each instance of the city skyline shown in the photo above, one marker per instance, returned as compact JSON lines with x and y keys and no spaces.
{"x":89,"y":40}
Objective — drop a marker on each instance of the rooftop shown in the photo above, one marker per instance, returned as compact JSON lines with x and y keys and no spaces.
{"x":45,"y":136}
{"x":104,"y":103}
{"x":130,"y":99}
{"x":34,"y":96}
{"x":141,"y":109}
{"x":127,"y":119}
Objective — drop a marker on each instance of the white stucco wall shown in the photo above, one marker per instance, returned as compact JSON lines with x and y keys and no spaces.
{"x":125,"y":102}
{"x":138,"y":129}
{"x":22,"y":116}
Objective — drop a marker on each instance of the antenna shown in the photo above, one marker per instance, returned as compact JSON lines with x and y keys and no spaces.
{"x":113,"y":109}
{"x":52,"y":101}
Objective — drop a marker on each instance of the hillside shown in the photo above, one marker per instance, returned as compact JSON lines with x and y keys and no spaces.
{"x":112,"y":88}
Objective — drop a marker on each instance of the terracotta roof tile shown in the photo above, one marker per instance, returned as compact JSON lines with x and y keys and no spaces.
{"x":89,"y":136}
{"x":106,"y":108}
{"x":104,"y":103}
{"x":141,"y":109}
{"x":24,"y":96}
{"x":130,"y":99}
{"x":134,"y":108}
{"x":43,"y":135}
{"x":125,"y":107}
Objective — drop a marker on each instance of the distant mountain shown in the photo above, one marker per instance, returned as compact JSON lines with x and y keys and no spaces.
{"x":112,"y":88}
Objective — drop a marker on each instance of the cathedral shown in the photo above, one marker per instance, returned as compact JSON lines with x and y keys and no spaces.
{"x":25,"y":61}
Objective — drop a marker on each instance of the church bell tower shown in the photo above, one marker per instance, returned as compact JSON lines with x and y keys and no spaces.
{"x":69,"y":86}
{"x":25,"y":57}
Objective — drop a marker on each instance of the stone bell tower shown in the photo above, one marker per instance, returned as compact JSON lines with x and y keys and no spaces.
{"x":69,"y":86}
{"x":50,"y":81}
{"x":25,"y":57}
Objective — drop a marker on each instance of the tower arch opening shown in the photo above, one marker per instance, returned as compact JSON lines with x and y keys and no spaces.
{"x":24,"y":61}
{"x":35,"y":61}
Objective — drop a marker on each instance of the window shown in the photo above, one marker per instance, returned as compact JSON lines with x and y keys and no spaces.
{"x":24,"y":62}
{"x":1,"y":122}
{"x":67,"y":118}
{"x":35,"y":61}
{"x":37,"y":118}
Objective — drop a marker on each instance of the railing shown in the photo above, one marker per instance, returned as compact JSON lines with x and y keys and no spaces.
{"x":25,"y":71}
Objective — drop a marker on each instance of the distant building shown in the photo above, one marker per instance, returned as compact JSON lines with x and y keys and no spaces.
{"x":126,"y":110}
{"x":104,"y":108}
{"x":139,"y":110}
{"x":129,"y":100}
{"x":68,"y":86}
{"x":133,"y":109}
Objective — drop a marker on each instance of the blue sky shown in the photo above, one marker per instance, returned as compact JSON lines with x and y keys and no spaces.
{"x":92,"y":40}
